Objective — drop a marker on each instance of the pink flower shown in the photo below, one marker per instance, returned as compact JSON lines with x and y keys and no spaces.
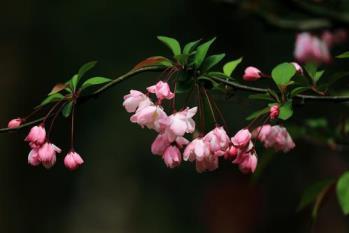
{"x":207,"y":164}
{"x":14,"y":123}
{"x":33,"y":157}
{"x":241,"y":138}
{"x":134,"y":100}
{"x":47,"y":154}
{"x":298,"y":68}
{"x":218,"y":141}
{"x":160,"y":144}
{"x":73,"y":160}
{"x":309,"y":48}
{"x":172,"y":157}
{"x":248,"y":163}
{"x":252,"y":74}
{"x":150,"y":116}
{"x":198,"y":149}
{"x":161,"y":90}
{"x":36,"y":136}
{"x":274,"y":112}
{"x":275,"y":137}
{"x":179,"y":123}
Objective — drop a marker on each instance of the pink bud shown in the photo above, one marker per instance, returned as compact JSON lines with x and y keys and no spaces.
{"x":33,"y":158}
{"x":172,"y":157}
{"x":47,"y":154}
{"x":73,"y":160}
{"x":274,"y":112}
{"x":36,"y":136}
{"x":298,"y":68}
{"x":161,"y":90}
{"x":252,"y":74}
{"x":241,"y":138}
{"x":14,"y":123}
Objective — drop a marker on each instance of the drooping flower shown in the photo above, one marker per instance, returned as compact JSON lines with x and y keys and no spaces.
{"x":14,"y":123}
{"x":275,"y":137}
{"x":160,"y":144}
{"x":241,"y":138}
{"x":150,"y":116}
{"x":274,"y":112}
{"x":217,"y":140}
{"x":252,"y":73}
{"x":47,"y":154}
{"x":207,"y":164}
{"x":247,"y":162}
{"x":33,"y":157}
{"x":73,"y":160}
{"x":36,"y":136}
{"x":134,"y":100}
{"x":198,"y":149}
{"x":161,"y":90}
{"x":172,"y":156}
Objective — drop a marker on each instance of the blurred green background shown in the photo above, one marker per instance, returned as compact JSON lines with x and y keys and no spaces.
{"x":122,"y":187}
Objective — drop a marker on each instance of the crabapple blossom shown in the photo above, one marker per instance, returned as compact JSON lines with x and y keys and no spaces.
{"x":241,"y":138}
{"x":150,"y":116}
{"x":33,"y":157}
{"x":207,"y":164}
{"x":252,"y":73}
{"x":160,"y":144}
{"x":217,"y":140}
{"x":73,"y":160}
{"x":161,"y":90}
{"x":14,"y":123}
{"x":274,"y":111}
{"x":134,"y":100}
{"x":198,"y":149}
{"x":275,"y":137}
{"x":36,"y":136}
{"x":47,"y":154}
{"x":172,"y":156}
{"x":247,"y":162}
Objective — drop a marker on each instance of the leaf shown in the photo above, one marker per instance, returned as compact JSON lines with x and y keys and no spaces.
{"x":312,"y":192}
{"x":311,"y":69}
{"x":182,"y":59}
{"x":317,"y":123}
{"x":208,"y":82}
{"x":57,"y":88}
{"x":298,"y":90}
{"x":229,"y":67}
{"x":283,"y":73}
{"x":318,"y":75}
{"x":343,"y":55}
{"x":152,"y":61}
{"x":211,"y":61}
{"x":52,"y":98}
{"x":201,"y":52}
{"x":343,"y":192}
{"x":218,"y":75}
{"x":261,"y":97}
{"x":67,"y":109}
{"x":86,"y":67}
{"x":74,"y":82}
{"x":190,"y":47}
{"x":94,"y":81}
{"x":172,"y":43}
{"x":273,"y":94}
{"x":257,"y":114}
{"x":286,"y":111}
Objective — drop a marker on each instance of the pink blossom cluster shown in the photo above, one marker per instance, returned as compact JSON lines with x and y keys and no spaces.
{"x":275,"y":137}
{"x":311,"y":48}
{"x":45,"y":153}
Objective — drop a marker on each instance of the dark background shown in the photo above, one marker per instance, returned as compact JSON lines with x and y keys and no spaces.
{"x":122,"y":187}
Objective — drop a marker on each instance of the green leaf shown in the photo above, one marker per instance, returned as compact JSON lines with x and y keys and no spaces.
{"x":190,"y":47}
{"x":261,"y":97}
{"x":317,"y":123}
{"x":94,"y":81}
{"x":229,"y":67}
{"x":343,"y":55}
{"x":343,"y":192}
{"x":172,"y":43}
{"x":201,"y":52}
{"x":182,"y":59}
{"x":52,"y":98}
{"x":67,"y":109}
{"x":312,"y":192}
{"x":318,"y":75}
{"x":153,"y":61}
{"x":298,"y":90}
{"x":208,"y":82}
{"x":283,"y":73}
{"x":74,"y":82}
{"x":218,"y":75}
{"x":257,"y":114}
{"x":286,"y":111}
{"x":211,"y":61}
{"x":86,"y":67}
{"x":311,"y":69}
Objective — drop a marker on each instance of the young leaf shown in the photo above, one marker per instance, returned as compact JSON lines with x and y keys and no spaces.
{"x":67,"y":109}
{"x":219,"y":75}
{"x":229,"y":68}
{"x":312,"y":192}
{"x":52,"y":98}
{"x":86,"y":67}
{"x":211,"y":61}
{"x":286,"y":111}
{"x":190,"y":47}
{"x":182,"y":59}
{"x":172,"y":43}
{"x":94,"y":81}
{"x":152,"y":61}
{"x":201,"y":52}
{"x":343,"y":192}
{"x":261,"y":97}
{"x":298,"y":90}
{"x":343,"y":55}
{"x":283,"y":73}
{"x":57,"y":88}
{"x":318,"y":75}
{"x":74,"y":82}
{"x":311,"y":69}
{"x":257,"y":114}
